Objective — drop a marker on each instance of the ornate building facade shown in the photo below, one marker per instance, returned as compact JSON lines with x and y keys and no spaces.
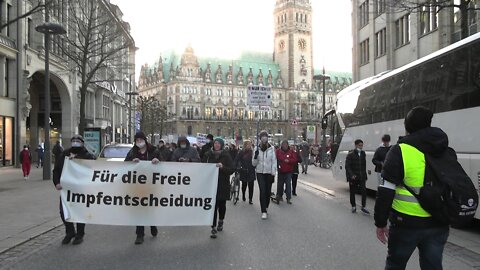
{"x":207,"y":95}
{"x":22,"y":67}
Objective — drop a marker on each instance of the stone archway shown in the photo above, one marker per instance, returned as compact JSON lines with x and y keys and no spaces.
{"x":61,"y":124}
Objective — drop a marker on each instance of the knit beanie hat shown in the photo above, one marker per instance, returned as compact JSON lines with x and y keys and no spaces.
{"x":418,"y":118}
{"x":78,"y":137}
{"x":221,"y":141}
{"x":263,"y":133}
{"x":140,"y":135}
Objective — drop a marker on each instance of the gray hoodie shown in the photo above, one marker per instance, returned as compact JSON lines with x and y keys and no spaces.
{"x":188,"y":153}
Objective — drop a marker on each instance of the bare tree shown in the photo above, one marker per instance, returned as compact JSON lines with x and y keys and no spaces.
{"x":34,"y":7}
{"x":465,"y":8}
{"x":95,"y":46}
{"x":152,"y":115}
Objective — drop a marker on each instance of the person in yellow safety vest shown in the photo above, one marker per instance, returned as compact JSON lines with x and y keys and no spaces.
{"x":411,"y":226}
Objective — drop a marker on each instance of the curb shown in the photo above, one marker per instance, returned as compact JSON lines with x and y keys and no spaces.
{"x":317,"y":187}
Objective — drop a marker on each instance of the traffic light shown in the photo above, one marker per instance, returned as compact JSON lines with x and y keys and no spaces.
{"x":324,"y":123}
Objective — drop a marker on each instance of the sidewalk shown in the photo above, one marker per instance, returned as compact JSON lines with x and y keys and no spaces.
{"x":27,"y":208}
{"x":322,"y":180}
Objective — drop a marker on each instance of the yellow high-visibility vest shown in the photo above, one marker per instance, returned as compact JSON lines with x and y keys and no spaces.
{"x":414,"y":170}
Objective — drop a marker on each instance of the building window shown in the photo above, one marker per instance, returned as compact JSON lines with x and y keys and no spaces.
{"x":9,"y":17}
{"x":6,"y":81}
{"x":364,"y":52}
{"x":6,"y":141}
{"x":106,"y":106}
{"x":428,"y":19}
{"x":363,"y":14}
{"x":379,"y":7}
{"x":402,"y":28}
{"x":29,"y":31}
{"x":381,"y":42}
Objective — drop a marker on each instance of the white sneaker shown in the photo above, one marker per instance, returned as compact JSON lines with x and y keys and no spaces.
{"x":25,"y":178}
{"x":264,"y":215}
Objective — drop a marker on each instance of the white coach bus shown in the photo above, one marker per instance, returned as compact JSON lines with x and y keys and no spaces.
{"x":447,"y":82}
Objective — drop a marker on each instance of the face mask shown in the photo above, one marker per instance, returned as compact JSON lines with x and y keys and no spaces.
{"x":77,"y":144}
{"x":25,"y":148}
{"x":359,"y":149}
{"x":264,"y":139}
{"x":208,"y":141}
{"x":140,"y":145}
{"x":183,"y":146}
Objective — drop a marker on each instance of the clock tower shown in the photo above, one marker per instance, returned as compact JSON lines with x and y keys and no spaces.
{"x":293,"y":42}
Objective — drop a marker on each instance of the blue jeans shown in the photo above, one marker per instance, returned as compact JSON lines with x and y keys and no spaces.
{"x":265,"y":182}
{"x":403,"y":241}
{"x":284,"y":179}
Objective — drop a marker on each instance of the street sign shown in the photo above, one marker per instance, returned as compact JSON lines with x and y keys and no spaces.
{"x":259,"y":95}
{"x":311,"y":132}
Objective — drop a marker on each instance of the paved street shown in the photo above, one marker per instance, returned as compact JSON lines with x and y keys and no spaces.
{"x":316,"y":232}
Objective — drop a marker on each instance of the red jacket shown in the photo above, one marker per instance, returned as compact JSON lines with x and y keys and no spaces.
{"x":290,"y":155}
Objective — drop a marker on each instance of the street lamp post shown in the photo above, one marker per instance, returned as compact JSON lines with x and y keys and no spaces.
{"x":323,"y":77}
{"x":130,"y":94}
{"x":48,"y":29}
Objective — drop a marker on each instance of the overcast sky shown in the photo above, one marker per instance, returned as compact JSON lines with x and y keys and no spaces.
{"x":223,"y":28}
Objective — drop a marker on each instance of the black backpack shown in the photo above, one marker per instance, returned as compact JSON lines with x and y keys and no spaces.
{"x":448,"y":193}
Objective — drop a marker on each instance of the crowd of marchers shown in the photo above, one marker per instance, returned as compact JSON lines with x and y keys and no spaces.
{"x":400,"y":172}
{"x":260,"y":163}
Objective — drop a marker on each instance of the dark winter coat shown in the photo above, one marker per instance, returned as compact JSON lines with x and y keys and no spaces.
{"x":244,"y":163}
{"x":299,"y":160}
{"x":81,"y":154}
{"x":379,"y":157}
{"x":151,"y":153}
{"x":57,"y":150}
{"x":356,"y":165}
{"x":223,"y":188}
{"x":189,"y":153}
{"x":207,"y":147}
{"x":164,"y":154}
{"x":432,"y":141}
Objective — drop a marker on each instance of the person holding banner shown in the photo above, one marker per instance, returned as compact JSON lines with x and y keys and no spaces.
{"x":226,"y":167}
{"x":142,"y":150}
{"x":265,"y":163}
{"x":208,"y":146}
{"x":184,"y":152}
{"x":77,"y":150}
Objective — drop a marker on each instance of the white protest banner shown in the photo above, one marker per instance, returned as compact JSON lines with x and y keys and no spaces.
{"x":129,"y":193}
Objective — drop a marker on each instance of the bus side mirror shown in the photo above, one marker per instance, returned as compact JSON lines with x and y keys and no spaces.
{"x":324,"y":123}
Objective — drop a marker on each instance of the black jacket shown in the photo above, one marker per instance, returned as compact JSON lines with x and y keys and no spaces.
{"x":57,"y":170}
{"x":244,"y":163}
{"x":164,"y":154}
{"x":356,"y":165}
{"x":223,"y":187}
{"x":430,"y":140}
{"x":379,"y":157}
{"x":151,"y":153}
{"x":207,"y":147}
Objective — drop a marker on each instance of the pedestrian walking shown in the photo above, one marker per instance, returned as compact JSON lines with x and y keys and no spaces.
{"x":208,"y":146}
{"x":164,"y":154}
{"x":265,"y":163}
{"x":40,"y":153}
{"x":79,"y":151}
{"x":26,"y":161}
{"x":143,"y":150}
{"x":226,"y":167}
{"x":184,"y":152}
{"x":304,"y":152}
{"x":379,"y":156}
{"x":243,"y":162}
{"x":57,"y":150}
{"x":295,"y":170}
{"x":411,"y":226}
{"x":356,"y":168}
{"x":286,"y":160}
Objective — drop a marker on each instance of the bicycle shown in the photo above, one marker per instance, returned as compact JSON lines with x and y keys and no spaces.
{"x":235,"y":187}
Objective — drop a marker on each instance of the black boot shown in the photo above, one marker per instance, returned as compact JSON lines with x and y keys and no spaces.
{"x":139,"y":240}
{"x":220,"y":225}
{"x":213,"y":233}
{"x":67,"y":239}
{"x":154,"y":230}
{"x":78,"y":239}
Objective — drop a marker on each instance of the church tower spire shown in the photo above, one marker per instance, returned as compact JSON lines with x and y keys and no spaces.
{"x":293,"y":42}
